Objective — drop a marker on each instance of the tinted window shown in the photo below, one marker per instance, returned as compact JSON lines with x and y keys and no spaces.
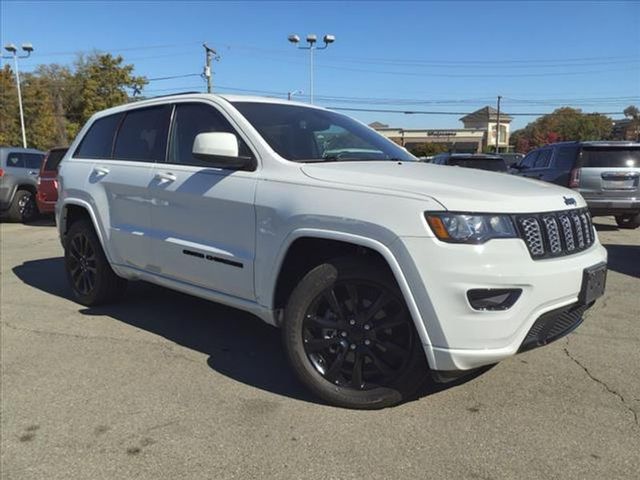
{"x":98,"y":142}
{"x":308,"y":134}
{"x":565,"y":158}
{"x":491,"y":164}
{"x":530,"y":159}
{"x":189,"y":120}
{"x":25,"y":160}
{"x":143,"y":135}
{"x":610,"y":157}
{"x":15,"y":160}
{"x":53,"y":159}
{"x":543,"y":160}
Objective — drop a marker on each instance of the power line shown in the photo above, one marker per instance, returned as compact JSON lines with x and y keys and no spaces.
{"x":422,"y":112}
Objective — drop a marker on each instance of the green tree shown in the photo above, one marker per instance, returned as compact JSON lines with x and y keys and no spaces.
{"x":39,"y":113}
{"x":102,"y":80}
{"x":633,"y":113}
{"x":428,"y":148}
{"x":9,"y":111}
{"x":564,"y":124}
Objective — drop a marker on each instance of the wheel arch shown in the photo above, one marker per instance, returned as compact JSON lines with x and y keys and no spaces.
{"x":349,"y":241}
{"x":74,"y":209}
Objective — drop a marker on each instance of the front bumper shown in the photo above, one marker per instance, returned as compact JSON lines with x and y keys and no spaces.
{"x":457,"y":337}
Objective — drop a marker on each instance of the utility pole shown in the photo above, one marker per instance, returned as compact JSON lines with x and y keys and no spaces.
{"x":498,"y":127}
{"x":210,"y":54}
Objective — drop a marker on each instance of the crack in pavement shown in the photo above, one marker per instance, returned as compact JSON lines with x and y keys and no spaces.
{"x":603,"y":384}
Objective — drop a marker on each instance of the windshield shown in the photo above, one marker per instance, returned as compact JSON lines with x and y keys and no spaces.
{"x":491,"y":164}
{"x":611,"y":157}
{"x":303,"y":134}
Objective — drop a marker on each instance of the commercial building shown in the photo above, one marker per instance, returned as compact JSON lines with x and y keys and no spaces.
{"x":478,"y":134}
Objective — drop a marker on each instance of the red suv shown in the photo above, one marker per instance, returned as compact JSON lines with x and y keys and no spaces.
{"x":47,"y":183}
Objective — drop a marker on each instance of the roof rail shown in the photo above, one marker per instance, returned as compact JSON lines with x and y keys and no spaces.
{"x":173,"y":95}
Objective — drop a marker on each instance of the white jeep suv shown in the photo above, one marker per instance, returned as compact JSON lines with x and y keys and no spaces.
{"x":379,"y":269}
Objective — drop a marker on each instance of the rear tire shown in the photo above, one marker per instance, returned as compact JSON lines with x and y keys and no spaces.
{"x":628,"y":221}
{"x":92,"y":280}
{"x":23,"y":207}
{"x":350,"y":338}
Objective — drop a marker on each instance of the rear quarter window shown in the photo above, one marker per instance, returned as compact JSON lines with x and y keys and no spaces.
{"x":604,"y":157}
{"x":25,"y":160}
{"x":98,"y":141}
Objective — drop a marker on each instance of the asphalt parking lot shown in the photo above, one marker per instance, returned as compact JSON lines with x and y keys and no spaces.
{"x":165,"y":386}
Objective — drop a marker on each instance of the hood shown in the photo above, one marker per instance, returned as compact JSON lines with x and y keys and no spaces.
{"x":456,"y":188}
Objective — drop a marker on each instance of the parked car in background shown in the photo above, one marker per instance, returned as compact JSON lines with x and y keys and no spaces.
{"x":19,"y":169}
{"x":512,"y":158}
{"x":47,"y":194}
{"x":492,"y":163}
{"x":605,"y":173}
{"x":369,"y":261}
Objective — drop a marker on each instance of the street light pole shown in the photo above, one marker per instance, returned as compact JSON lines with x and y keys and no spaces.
{"x":498,"y":126}
{"x":11,"y":48}
{"x":311,"y":46}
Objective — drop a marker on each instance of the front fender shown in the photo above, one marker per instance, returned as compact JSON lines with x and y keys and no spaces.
{"x":268,"y":293}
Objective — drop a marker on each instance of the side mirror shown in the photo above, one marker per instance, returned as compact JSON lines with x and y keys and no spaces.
{"x":220,"y":149}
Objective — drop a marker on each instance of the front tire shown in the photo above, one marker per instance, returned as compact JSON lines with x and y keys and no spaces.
{"x":92,"y":280}
{"x":350,"y":338}
{"x":628,"y":221}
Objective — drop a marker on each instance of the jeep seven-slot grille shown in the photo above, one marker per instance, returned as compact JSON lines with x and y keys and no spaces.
{"x":556,"y":234}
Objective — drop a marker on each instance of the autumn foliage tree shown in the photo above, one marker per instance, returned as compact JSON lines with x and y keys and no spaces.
{"x":58,"y":100}
{"x":564,"y":124}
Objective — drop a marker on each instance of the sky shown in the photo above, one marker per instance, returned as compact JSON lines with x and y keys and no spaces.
{"x":389,"y":55}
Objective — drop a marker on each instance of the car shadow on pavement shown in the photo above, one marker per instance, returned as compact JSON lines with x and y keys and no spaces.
{"x":624,"y":259}
{"x":238,"y":344}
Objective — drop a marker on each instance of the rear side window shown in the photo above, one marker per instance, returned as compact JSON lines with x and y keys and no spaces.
{"x":566,"y":157}
{"x":25,"y":160}
{"x":530,"y":159}
{"x":53,"y":160}
{"x":491,"y":164}
{"x":143,"y":135}
{"x":15,"y":160}
{"x":543,"y":160}
{"x":98,"y":141}
{"x":608,"y":157}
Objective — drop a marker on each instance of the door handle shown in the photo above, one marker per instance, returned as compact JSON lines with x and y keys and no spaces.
{"x":102,"y":171}
{"x":165,"y":177}
{"x":33,"y":172}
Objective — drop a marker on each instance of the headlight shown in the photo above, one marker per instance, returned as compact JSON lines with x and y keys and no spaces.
{"x":470,"y":228}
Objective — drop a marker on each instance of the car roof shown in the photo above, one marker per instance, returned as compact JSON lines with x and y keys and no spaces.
{"x":472,"y":156}
{"x":20,"y":150}
{"x":596,"y":143}
{"x":163,"y":99}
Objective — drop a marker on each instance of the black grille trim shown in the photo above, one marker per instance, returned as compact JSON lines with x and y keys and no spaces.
{"x":553,"y":325}
{"x":556,"y":234}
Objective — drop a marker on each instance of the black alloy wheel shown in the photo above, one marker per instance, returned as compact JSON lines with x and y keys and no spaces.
{"x":350,"y":338}
{"x":358,"y":335}
{"x":82,"y":264}
{"x":92,"y":280}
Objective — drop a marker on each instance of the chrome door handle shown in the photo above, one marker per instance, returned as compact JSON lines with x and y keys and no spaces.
{"x":33,"y":172}
{"x":165,"y":177}
{"x":101,"y":171}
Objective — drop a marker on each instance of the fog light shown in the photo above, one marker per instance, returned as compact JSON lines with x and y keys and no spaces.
{"x":493,"y":298}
